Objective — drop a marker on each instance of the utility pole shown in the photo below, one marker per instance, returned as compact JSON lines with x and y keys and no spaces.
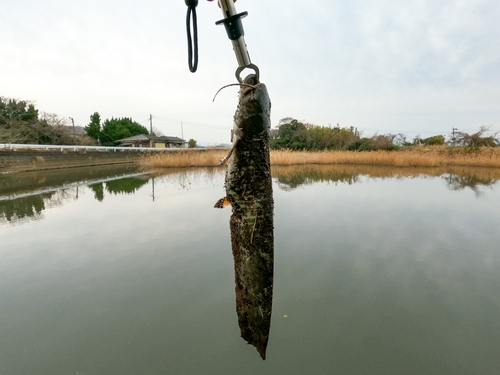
{"x":182,"y":133}
{"x":153,"y":183}
{"x":150,"y":124}
{"x":74,"y":133}
{"x":453,"y":132}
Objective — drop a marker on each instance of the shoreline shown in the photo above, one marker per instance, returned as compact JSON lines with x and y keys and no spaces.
{"x":436,"y":156}
{"x":420,"y":156}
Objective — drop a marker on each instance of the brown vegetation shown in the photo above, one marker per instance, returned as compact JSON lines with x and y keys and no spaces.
{"x":436,"y":156}
{"x":410,"y":157}
{"x":183,"y":158}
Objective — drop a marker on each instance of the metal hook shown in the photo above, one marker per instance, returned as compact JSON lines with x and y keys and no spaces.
{"x":234,"y":29}
{"x":249,"y":66}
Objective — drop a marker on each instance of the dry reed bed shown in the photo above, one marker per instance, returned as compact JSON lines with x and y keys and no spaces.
{"x":415,"y":157}
{"x":183,"y":158}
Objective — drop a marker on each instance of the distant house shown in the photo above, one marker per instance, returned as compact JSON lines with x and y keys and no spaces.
{"x":142,"y":140}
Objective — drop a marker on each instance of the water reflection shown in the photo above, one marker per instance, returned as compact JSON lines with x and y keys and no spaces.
{"x":25,"y":196}
{"x":289,"y":178}
{"x":32,"y":207}
{"x":19,"y":183}
{"x":473,"y":182}
{"x":98,"y":190}
{"x":457,"y":178}
{"x":125,"y":185}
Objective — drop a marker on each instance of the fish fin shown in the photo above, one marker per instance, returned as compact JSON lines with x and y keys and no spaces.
{"x":222,"y":203}
{"x":237,"y":135}
{"x":225,"y":158}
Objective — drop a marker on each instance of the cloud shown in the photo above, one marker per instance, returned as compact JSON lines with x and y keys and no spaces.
{"x":412,"y":66}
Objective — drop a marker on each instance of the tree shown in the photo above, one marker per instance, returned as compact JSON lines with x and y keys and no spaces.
{"x":13,"y":111}
{"x":296,"y":135}
{"x":477,"y":139}
{"x":20,"y":123}
{"x":434,"y":140}
{"x":192,"y":143}
{"x":115,"y":129}
{"x":93,"y":129}
{"x":291,"y":134}
{"x":156,"y":132}
{"x":62,"y":130}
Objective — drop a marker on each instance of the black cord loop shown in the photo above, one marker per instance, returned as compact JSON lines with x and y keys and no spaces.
{"x":192,"y":43}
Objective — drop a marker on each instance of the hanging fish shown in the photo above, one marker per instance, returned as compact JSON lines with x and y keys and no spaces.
{"x":249,"y":192}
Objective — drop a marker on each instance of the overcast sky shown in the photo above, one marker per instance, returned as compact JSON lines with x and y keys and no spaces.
{"x":417,"y":67}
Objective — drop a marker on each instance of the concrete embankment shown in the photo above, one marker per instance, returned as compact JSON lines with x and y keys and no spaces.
{"x":35,"y":160}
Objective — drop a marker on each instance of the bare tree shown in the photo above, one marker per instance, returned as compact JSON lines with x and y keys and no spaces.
{"x":156,"y":132}
{"x":477,"y":139}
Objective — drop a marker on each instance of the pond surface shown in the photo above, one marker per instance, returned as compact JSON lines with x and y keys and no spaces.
{"x":113,"y":271}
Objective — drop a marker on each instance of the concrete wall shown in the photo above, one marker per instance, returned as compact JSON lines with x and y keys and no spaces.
{"x":27,"y":160}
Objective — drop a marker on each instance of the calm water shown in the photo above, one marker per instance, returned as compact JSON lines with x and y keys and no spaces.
{"x":375,"y":273}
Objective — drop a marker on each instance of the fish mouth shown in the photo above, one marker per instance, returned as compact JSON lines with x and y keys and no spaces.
{"x":250,"y":80}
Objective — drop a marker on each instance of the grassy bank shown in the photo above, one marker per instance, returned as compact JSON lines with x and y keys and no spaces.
{"x":437,"y":156}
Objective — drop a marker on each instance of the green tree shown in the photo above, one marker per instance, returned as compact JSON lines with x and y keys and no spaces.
{"x":295,"y":135}
{"x":434,"y":140}
{"x":290,"y":134}
{"x":115,"y":129}
{"x":20,"y":123}
{"x":192,"y":143}
{"x":13,"y":111}
{"x":93,"y":129}
{"x":376,"y":142}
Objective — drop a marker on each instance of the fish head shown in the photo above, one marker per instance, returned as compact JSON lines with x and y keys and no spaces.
{"x":254,"y":107}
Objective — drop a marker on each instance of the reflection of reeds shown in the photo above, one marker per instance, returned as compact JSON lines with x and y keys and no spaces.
{"x":438,"y":156}
{"x":318,"y":172}
{"x":457,"y":177}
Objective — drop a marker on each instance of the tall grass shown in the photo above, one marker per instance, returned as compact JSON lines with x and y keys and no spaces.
{"x":436,"y":156}
{"x":414,"y":157}
{"x":183,"y":158}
